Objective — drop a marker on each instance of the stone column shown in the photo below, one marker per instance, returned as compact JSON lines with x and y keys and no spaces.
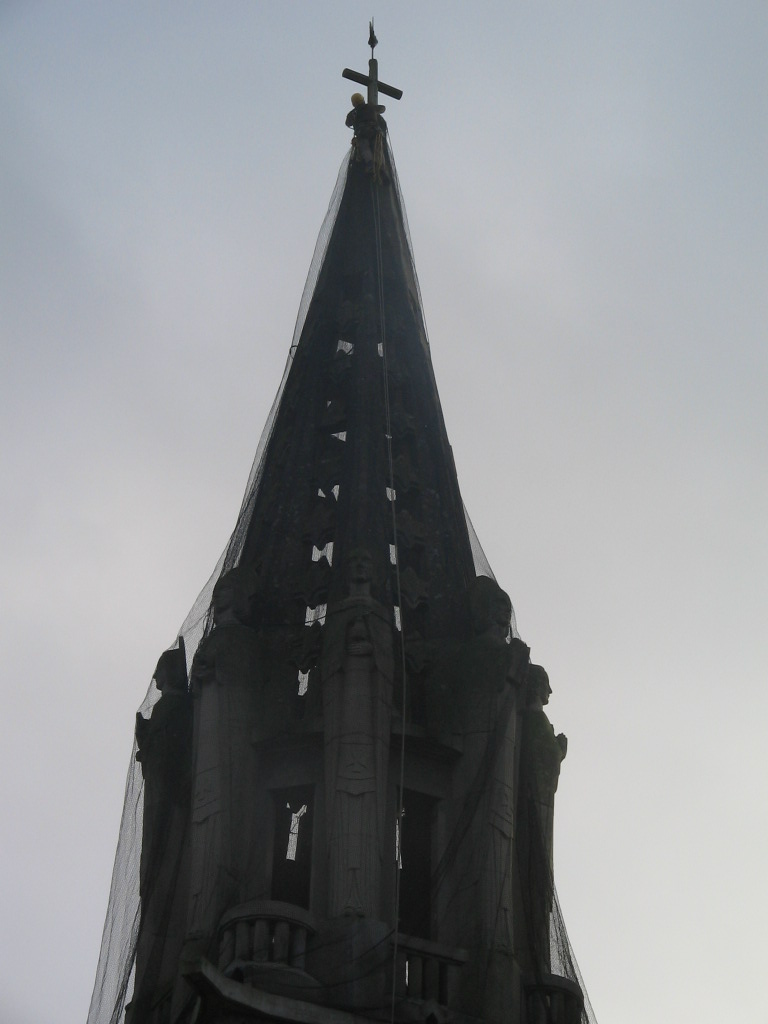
{"x":357,"y":703}
{"x":224,"y":684}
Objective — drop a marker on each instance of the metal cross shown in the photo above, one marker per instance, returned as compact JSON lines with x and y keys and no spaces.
{"x":371,"y":80}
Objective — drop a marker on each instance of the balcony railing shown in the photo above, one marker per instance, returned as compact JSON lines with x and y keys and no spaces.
{"x":427,"y":970}
{"x":260,"y":935}
{"x":265,"y":932}
{"x":555,"y":1000}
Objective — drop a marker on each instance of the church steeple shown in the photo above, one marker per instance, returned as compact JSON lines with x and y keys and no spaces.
{"x":348,"y":805}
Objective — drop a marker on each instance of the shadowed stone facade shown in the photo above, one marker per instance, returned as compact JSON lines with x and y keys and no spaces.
{"x":360,"y":718}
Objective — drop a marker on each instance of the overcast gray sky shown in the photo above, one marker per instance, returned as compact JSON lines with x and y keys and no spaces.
{"x":586,"y":189}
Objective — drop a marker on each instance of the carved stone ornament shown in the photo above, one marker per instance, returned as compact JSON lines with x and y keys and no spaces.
{"x":543,"y":750}
{"x":226,"y":676}
{"x":356,"y":673}
{"x":464,"y":677}
{"x":164,"y":737}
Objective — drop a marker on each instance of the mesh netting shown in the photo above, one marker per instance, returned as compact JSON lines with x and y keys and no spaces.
{"x":562,"y":960}
{"x":118,"y":945}
{"x":315,"y":388}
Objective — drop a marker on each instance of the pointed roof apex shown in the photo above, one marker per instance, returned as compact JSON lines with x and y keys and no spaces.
{"x":371,"y":80}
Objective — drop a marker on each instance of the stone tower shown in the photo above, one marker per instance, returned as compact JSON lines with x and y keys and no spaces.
{"x":348,"y":797}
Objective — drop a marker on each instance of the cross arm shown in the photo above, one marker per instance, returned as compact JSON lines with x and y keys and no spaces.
{"x":356,"y":76}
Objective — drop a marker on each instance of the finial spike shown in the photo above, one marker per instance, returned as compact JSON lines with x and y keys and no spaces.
{"x":372,"y":40}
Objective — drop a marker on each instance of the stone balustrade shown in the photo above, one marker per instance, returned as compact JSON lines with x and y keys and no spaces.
{"x":427,"y":970}
{"x":265,"y":931}
{"x":556,"y":1000}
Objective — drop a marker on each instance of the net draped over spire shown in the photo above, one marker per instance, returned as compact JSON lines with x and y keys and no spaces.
{"x":314,"y":487}
{"x":354,"y":456}
{"x":361,"y":370}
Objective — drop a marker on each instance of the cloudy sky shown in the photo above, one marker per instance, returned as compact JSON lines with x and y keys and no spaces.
{"x":585,"y":185}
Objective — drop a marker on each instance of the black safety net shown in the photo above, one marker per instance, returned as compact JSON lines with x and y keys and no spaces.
{"x":354,"y":455}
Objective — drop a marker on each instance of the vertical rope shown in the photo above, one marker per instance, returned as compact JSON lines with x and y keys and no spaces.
{"x":390,"y":467}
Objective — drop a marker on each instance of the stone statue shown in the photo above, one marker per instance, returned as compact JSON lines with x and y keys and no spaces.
{"x":542,"y":752}
{"x":494,"y":657}
{"x":490,"y":609}
{"x":164,"y":742}
{"x":224,"y":674}
{"x":472,"y":699}
{"x":163,"y":739}
{"x":466,"y":678}
{"x":356,"y":670}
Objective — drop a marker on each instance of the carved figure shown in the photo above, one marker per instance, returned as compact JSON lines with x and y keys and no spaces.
{"x":491,"y":610}
{"x":223,"y":677}
{"x":357,"y":699}
{"x":467,"y":678}
{"x":543,"y":752}
{"x":163,"y":739}
{"x":164,"y":742}
{"x":494,"y":654}
{"x":472,"y":693}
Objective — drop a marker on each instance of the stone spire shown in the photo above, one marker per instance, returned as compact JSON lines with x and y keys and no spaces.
{"x":359,"y":433}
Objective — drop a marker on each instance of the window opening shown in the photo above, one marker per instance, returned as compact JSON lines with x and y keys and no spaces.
{"x":397,"y":617}
{"x":391,"y":494}
{"x":303,"y":683}
{"x":292,"y":846}
{"x":316,"y":614}
{"x":380,"y":348}
{"x":393,"y":554}
{"x":293,"y":831}
{"x":413,"y":856}
{"x":347,"y":347}
{"x":341,"y":435}
{"x":325,"y":552}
